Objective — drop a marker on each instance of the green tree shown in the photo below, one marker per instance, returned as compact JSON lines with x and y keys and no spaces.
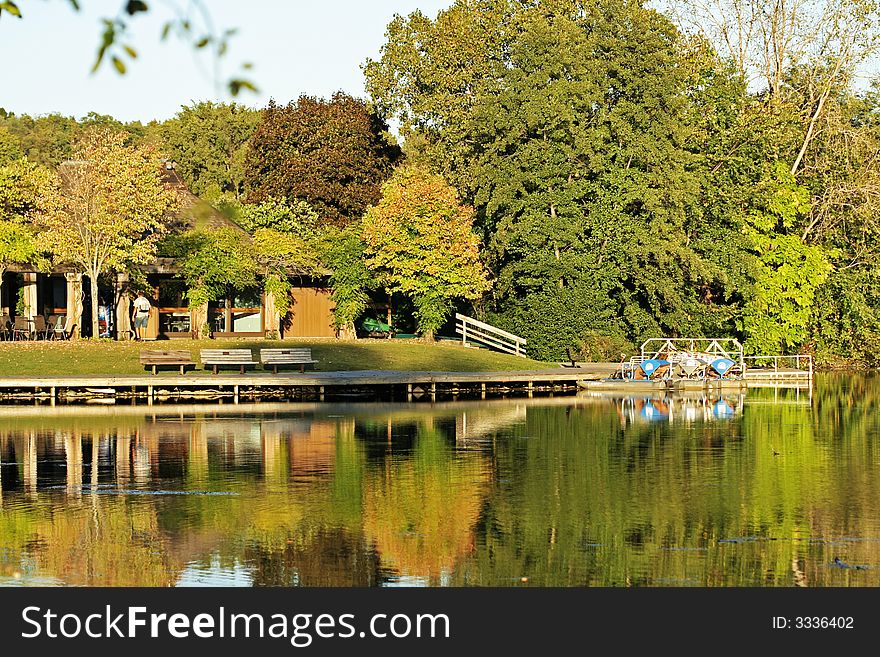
{"x":777,"y":316}
{"x":420,"y":242}
{"x":10,"y":147}
{"x":332,"y":154}
{"x":342,"y":251}
{"x":568,"y":125}
{"x":209,"y":141}
{"x":46,"y":140}
{"x":213,"y":261}
{"x":297,"y":218}
{"x":114,"y":206}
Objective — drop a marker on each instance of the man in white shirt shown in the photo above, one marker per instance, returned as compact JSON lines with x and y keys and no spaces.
{"x":141,"y":315}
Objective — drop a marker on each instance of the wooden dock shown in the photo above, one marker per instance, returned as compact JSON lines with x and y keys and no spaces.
{"x":375,"y":384}
{"x":315,"y":385}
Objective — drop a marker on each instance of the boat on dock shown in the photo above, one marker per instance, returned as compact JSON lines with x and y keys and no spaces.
{"x":700,"y":364}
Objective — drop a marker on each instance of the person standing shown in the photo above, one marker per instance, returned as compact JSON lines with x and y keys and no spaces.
{"x":141,"y":315}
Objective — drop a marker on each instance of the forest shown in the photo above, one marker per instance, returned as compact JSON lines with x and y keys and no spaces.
{"x":583,"y":174}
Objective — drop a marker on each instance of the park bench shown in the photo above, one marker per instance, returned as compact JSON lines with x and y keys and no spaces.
{"x":156,"y":358}
{"x":276,"y":357}
{"x":216,"y":358}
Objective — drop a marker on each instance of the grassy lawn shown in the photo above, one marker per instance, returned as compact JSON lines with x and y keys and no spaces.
{"x":121,"y":358}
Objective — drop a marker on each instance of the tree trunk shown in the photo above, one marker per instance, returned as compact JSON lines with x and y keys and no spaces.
{"x":347,"y":331}
{"x":93,"y":287}
{"x":429,"y":336}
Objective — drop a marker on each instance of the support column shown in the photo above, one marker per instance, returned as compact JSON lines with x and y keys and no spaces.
{"x":271,"y":317}
{"x":74,"y":302}
{"x":30,"y":294}
{"x":123,"y":308}
{"x":200,"y":321}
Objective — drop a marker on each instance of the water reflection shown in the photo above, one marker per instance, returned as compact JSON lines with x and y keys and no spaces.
{"x":771,"y":488}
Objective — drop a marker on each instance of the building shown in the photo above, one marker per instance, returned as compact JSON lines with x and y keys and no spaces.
{"x":242,"y":313}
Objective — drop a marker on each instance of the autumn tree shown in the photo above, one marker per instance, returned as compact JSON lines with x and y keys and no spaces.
{"x":28,"y":195}
{"x":333,"y":154}
{"x":420,"y":241}
{"x":114,"y":208}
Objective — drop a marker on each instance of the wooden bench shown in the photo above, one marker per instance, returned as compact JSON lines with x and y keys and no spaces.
{"x":216,"y":358}
{"x":275,"y":357}
{"x":156,"y":358}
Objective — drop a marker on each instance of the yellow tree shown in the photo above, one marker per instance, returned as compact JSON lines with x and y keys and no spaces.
{"x":420,"y":241}
{"x":28,"y":192}
{"x":114,"y":208}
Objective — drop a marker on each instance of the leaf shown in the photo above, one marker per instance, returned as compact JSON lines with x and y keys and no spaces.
{"x":236,"y":85}
{"x":204,"y":41}
{"x":131,"y":51}
{"x":10,"y":8}
{"x":107,"y":39}
{"x":118,"y":64}
{"x":166,"y":29}
{"x":133,"y":7}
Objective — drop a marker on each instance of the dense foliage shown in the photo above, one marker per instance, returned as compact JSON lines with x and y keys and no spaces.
{"x":626,"y":181}
{"x":333,"y":154}
{"x":419,"y":241}
{"x":628,"y":173}
{"x":209,"y":142}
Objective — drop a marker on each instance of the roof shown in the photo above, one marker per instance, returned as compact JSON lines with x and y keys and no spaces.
{"x":194,"y":213}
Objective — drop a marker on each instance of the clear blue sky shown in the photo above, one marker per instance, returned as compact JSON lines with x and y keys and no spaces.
{"x":296,"y":46}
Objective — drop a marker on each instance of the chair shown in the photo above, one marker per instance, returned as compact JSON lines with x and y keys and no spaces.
{"x":5,"y":333}
{"x":52,"y":321}
{"x":64,"y":328}
{"x":21,"y":328}
{"x":40,"y":328}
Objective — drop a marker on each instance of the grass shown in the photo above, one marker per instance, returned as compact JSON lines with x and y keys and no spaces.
{"x":104,"y":357}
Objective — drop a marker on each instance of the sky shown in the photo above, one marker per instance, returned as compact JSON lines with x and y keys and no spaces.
{"x":296,"y":47}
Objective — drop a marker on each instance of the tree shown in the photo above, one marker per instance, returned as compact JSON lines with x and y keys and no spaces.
{"x":420,"y":241}
{"x":824,"y":41}
{"x":342,"y":251}
{"x":297,"y":218}
{"x":332,"y":154}
{"x":10,"y":148}
{"x":281,"y":255}
{"x":46,"y":140}
{"x":778,"y":314}
{"x":209,"y":142}
{"x":28,"y":196}
{"x":568,"y":126}
{"x":212,"y":261}
{"x":114,"y":206}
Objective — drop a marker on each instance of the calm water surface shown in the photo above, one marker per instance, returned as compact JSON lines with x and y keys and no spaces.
{"x":775,"y":488}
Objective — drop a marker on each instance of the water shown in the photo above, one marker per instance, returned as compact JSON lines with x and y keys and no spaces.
{"x":776,"y":488}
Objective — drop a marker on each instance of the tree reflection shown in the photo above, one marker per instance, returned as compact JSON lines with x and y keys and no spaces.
{"x":555,"y":492}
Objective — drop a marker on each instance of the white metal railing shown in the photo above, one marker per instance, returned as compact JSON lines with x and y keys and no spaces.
{"x":795,"y":366}
{"x":718,"y":347}
{"x":472,"y":330}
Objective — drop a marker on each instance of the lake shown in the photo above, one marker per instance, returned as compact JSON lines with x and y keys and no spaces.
{"x":772,"y":488}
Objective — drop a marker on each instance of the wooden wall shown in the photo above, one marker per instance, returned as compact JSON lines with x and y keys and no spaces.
{"x":311,"y":314}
